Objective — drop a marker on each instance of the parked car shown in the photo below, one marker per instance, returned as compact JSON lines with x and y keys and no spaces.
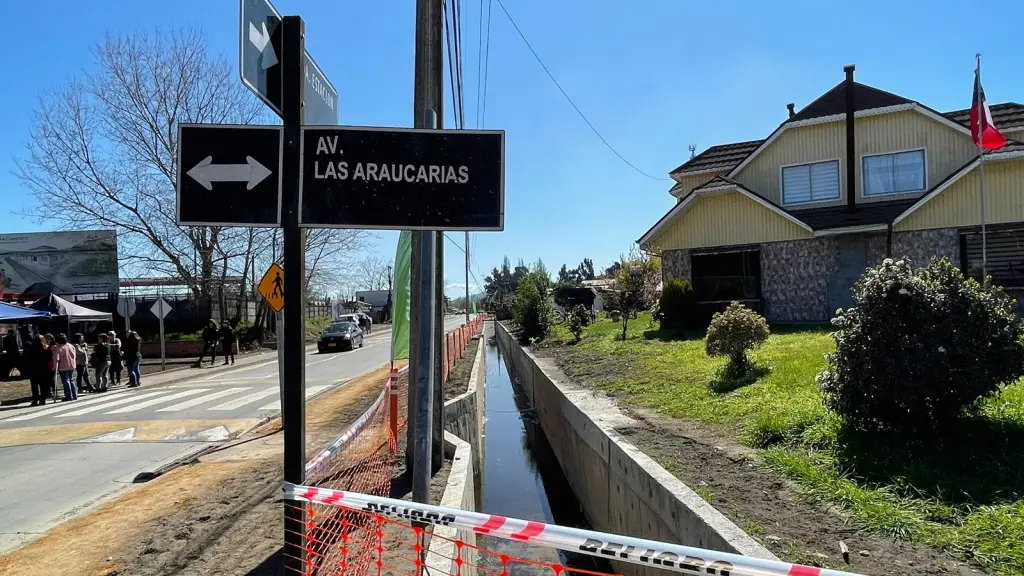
{"x":353,"y":318}
{"x":340,"y":336}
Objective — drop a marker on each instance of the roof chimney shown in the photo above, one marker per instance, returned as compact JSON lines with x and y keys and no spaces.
{"x":851,"y":144}
{"x":791,"y":107}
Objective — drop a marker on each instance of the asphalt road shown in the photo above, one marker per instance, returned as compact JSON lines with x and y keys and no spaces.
{"x":60,"y":459}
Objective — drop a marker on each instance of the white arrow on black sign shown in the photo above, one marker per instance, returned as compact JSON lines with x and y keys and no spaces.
{"x":206,"y":172}
{"x":261,"y":40}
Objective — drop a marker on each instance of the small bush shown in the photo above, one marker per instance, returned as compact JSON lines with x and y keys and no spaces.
{"x":532,"y":308}
{"x":735,"y":331}
{"x":920,"y":348}
{"x":677,"y":305}
{"x":579,"y":318}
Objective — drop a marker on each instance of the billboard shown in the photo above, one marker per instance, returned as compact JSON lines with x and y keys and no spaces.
{"x":80,"y":262}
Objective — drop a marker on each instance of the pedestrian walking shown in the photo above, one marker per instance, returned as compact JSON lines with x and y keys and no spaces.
{"x":227,"y":342}
{"x":66,"y":367}
{"x":101,"y":363}
{"x":210,"y":336}
{"x":51,"y":368}
{"x":132,"y":352}
{"x":37,"y":361}
{"x":82,"y":364}
{"x":115,"y":358}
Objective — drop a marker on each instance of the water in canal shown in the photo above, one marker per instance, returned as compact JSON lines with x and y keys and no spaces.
{"x":522,"y":478}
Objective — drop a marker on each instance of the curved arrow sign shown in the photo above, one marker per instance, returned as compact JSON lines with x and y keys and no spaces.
{"x":206,"y":172}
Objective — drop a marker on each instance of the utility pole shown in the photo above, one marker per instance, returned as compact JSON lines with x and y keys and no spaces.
{"x":428,"y":104}
{"x":293,"y":406}
{"x":467,"y":276}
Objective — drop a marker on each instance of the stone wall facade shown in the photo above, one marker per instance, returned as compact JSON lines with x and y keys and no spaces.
{"x":921,"y":245}
{"x":675,"y":265}
{"x":800,"y":279}
{"x":794,"y":279}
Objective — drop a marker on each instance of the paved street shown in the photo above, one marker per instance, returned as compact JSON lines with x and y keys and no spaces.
{"x":79,"y":453}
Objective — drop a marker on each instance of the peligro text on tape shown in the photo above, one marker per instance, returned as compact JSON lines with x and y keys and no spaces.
{"x":674,"y":557}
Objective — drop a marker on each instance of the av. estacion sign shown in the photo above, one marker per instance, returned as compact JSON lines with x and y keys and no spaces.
{"x":402,"y":178}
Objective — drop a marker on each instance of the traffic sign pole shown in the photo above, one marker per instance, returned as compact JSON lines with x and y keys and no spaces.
{"x":293,"y":407}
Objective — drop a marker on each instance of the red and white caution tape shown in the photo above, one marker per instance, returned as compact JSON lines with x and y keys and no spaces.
{"x":328,"y":454}
{"x":673,"y":557}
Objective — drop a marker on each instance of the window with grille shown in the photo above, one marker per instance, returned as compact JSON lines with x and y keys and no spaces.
{"x":816,"y":182}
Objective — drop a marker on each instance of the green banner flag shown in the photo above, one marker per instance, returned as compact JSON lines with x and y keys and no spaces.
{"x":401,"y":302}
{"x":474,"y":306}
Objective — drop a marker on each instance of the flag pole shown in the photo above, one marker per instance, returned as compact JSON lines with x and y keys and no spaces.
{"x":981,"y":167}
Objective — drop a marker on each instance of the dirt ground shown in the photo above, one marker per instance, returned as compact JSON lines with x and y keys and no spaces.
{"x":458,"y":381}
{"x":219,"y":516}
{"x":768,"y":507}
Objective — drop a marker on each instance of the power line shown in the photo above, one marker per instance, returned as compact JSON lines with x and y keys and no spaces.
{"x":479,"y":58}
{"x":566,"y":95}
{"x":487,"y":61}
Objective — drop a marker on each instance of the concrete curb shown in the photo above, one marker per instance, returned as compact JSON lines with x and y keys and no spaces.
{"x":458,"y":493}
{"x":621,"y":489}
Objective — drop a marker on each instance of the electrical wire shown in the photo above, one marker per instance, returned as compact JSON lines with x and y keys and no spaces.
{"x":479,"y":59}
{"x":487,"y":61}
{"x":447,"y":11}
{"x":457,"y":20}
{"x":570,"y":100}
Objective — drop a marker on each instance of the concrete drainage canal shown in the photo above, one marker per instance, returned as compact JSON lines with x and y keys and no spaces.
{"x":522,"y":477}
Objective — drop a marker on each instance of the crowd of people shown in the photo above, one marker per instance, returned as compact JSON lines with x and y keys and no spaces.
{"x":50,"y":359}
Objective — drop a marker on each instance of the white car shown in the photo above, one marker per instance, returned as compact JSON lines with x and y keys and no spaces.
{"x":353,"y":318}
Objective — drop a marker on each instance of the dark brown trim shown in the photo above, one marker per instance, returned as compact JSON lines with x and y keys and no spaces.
{"x":888,"y":240}
{"x":851,"y":144}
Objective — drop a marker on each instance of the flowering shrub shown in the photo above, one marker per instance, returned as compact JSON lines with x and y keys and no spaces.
{"x":735,"y":331}
{"x":920,"y":347}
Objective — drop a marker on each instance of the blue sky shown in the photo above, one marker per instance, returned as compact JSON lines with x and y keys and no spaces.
{"x":653,"y":78}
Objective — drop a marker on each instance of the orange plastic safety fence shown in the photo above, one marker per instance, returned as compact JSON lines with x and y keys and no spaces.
{"x":363,"y":459}
{"x":358,"y":543}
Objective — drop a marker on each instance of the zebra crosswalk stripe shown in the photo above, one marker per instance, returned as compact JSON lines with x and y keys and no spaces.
{"x":246,"y":399}
{"x":160,"y":400}
{"x":117,"y":401}
{"x":202,"y":400}
{"x":276,"y":404}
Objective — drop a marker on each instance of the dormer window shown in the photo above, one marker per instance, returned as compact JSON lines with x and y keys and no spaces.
{"x":895,"y":173}
{"x":815,"y":182}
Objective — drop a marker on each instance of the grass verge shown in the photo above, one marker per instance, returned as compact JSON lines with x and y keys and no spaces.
{"x":963,"y":493}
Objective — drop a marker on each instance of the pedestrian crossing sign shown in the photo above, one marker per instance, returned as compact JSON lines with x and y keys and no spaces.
{"x":272,"y":287}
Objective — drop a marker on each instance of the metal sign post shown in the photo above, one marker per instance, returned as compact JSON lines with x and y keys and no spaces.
{"x":293,"y":405}
{"x":161,"y":309}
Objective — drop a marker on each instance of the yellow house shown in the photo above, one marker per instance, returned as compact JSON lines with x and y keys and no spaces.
{"x":788,"y":224}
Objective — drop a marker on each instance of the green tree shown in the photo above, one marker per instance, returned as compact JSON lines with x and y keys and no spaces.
{"x":636,"y":285}
{"x":532,"y":308}
{"x":585,"y":270}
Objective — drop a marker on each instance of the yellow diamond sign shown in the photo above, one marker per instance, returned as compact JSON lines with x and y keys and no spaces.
{"x":272,"y":287}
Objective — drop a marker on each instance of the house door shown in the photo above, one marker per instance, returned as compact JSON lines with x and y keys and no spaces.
{"x":853,"y":260}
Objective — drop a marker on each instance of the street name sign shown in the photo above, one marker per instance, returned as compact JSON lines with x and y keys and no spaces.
{"x":259,"y":51}
{"x":402,"y":179}
{"x":271,"y":287}
{"x":321,"y":96}
{"x":229,"y":175}
{"x":259,"y":64}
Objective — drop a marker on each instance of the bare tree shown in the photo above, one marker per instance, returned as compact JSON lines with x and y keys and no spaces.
{"x":373,"y":273}
{"x":102,"y":150}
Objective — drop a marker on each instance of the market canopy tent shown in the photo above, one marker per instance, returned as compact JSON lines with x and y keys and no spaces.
{"x":58,"y":306}
{"x":16,"y":313}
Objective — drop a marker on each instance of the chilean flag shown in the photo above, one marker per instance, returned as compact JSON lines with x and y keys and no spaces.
{"x":990,"y":138}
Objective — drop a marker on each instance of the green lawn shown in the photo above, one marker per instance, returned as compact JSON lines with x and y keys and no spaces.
{"x":964,"y":494}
